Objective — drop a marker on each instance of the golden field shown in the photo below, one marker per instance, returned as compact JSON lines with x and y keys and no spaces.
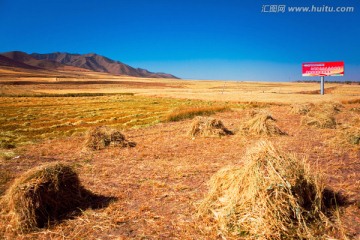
{"x":157,"y":186}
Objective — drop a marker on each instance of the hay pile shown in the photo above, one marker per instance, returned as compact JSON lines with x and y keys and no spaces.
{"x":261,"y":123}
{"x":43,"y":195}
{"x":352,"y":133}
{"x":208,"y":127}
{"x":102,"y":136}
{"x":347,"y":135}
{"x":273,"y":196}
{"x":322,"y":115}
{"x":301,"y":109}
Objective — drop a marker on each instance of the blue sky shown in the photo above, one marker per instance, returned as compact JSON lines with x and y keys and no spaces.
{"x":192,"y":39}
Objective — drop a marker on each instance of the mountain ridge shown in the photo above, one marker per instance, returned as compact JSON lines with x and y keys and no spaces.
{"x":89,"y":61}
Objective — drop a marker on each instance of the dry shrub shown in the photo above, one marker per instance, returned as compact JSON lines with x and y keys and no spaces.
{"x":261,"y":123}
{"x":322,"y":115}
{"x":102,"y":136}
{"x":43,"y":195}
{"x":208,"y":127}
{"x":273,"y":196}
{"x":301,"y":109}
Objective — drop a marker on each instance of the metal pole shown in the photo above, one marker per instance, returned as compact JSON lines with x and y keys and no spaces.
{"x":322,"y":86}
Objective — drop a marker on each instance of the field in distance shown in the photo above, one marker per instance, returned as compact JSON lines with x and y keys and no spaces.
{"x":26,"y":82}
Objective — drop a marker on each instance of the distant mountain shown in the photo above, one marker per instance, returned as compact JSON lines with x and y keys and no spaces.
{"x":8,"y":62}
{"x":92,"y":61}
{"x":27,"y":59}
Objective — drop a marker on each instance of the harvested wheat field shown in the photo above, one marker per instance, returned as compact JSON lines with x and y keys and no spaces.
{"x":171,"y":185}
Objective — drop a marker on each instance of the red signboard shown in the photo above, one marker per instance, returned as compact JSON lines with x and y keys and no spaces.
{"x":314,"y":69}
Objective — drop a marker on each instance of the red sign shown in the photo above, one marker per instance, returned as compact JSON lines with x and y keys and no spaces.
{"x":314,"y":69}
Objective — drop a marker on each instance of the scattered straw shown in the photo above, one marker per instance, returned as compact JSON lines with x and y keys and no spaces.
{"x":273,"y":196}
{"x":262,"y":123}
{"x":207,"y":127}
{"x":43,"y":195}
{"x":101,"y":137}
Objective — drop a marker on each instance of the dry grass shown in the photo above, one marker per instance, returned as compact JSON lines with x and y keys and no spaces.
{"x":43,"y":195}
{"x":102,"y":136}
{"x":322,"y":115}
{"x":5,"y":177}
{"x":301,"y":109}
{"x":190,"y":112}
{"x":158,"y":182}
{"x":208,"y":127}
{"x":261,"y":123}
{"x":25,"y":120}
{"x":347,"y":135}
{"x":273,"y":196}
{"x":352,"y":135}
{"x":351,"y":101}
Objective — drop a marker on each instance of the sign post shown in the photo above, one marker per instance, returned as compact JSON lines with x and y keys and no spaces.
{"x":322,"y":91}
{"x":322,"y":69}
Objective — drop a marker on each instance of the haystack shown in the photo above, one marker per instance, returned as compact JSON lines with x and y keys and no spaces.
{"x":43,"y":195}
{"x":102,"y":136}
{"x":261,"y":123}
{"x":353,"y":137}
{"x":322,"y":115}
{"x":273,"y":196}
{"x":319,"y":120}
{"x":208,"y":127}
{"x":347,"y":135}
{"x":301,"y":109}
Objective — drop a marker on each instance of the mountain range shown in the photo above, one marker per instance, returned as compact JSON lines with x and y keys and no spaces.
{"x":78,"y":62}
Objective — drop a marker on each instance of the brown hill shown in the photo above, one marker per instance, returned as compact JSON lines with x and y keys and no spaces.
{"x":8,"y":62}
{"x":98,"y":63}
{"x":22,"y":57}
{"x":75,"y":62}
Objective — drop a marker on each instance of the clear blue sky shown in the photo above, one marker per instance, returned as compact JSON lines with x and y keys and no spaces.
{"x":195,"y":39}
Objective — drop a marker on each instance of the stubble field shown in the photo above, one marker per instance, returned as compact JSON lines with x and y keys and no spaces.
{"x":155,"y":187}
